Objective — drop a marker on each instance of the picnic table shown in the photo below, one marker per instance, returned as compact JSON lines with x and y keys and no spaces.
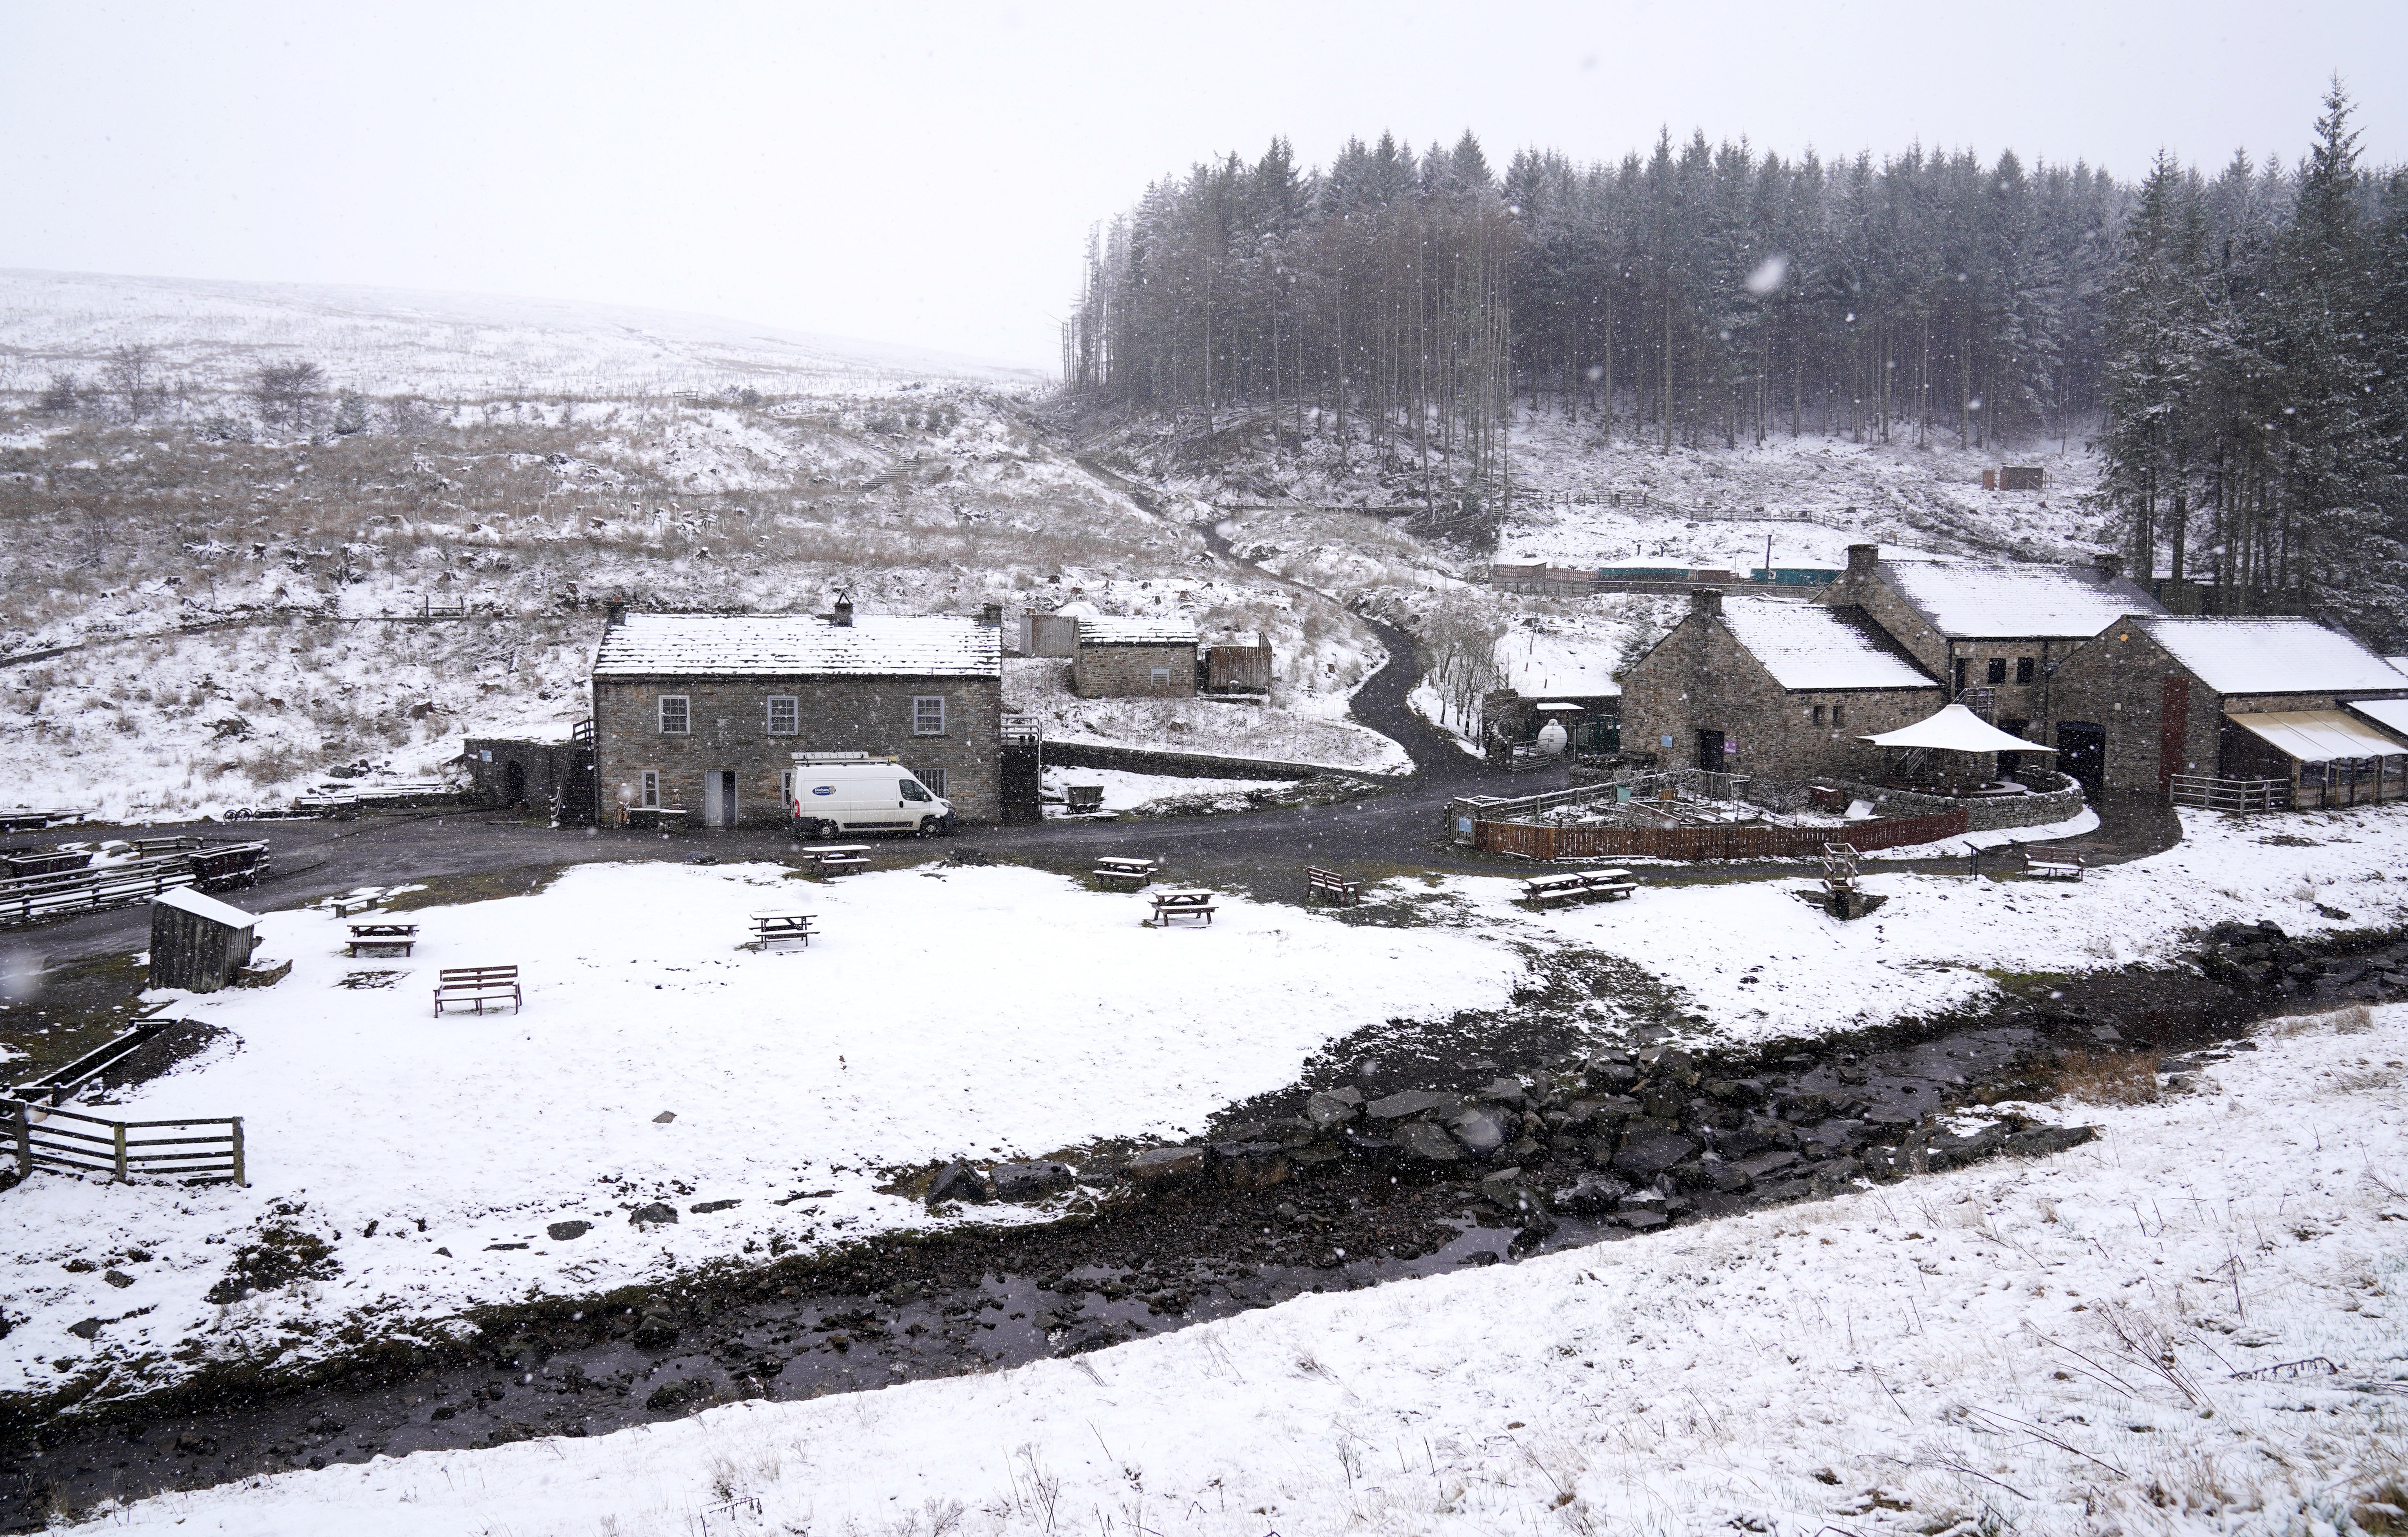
{"x":652,"y":816}
{"x":1346,"y":892}
{"x":463,"y":986}
{"x":383,"y":938}
{"x":1609,"y":886}
{"x":1173,"y":903}
{"x":837,"y":856}
{"x":1136,"y":872}
{"x":772,"y":927}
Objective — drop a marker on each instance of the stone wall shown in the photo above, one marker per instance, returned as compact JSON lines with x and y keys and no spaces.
{"x":549,"y":774}
{"x":1700,"y":678}
{"x":1126,"y":672}
{"x":2056,"y":799}
{"x":729,"y":721}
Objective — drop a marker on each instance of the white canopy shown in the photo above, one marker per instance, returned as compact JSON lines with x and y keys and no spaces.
{"x":1957,"y":730}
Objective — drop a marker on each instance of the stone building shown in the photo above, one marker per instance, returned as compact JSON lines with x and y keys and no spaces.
{"x":704,"y":713}
{"x":554,"y":777}
{"x":2155,"y":696}
{"x":1774,"y":688}
{"x":1994,"y":635}
{"x":1135,"y":659}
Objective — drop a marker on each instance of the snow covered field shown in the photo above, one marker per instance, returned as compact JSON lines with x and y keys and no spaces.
{"x":2190,"y":1325}
{"x":1141,"y":793}
{"x":934,"y":1016}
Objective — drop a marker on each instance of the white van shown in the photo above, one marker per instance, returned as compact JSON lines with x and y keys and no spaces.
{"x":852,"y":792}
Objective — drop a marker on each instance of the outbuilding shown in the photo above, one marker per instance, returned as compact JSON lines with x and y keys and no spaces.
{"x":197,"y":943}
{"x":1135,"y":659}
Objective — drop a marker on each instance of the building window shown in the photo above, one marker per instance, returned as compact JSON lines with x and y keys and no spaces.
{"x":2024,"y":669}
{"x":928,"y":715}
{"x":1961,"y":666}
{"x":1818,"y":715}
{"x":676,"y":720}
{"x":785,"y":715}
{"x":1998,"y":671}
{"x":652,"y":795}
{"x":1838,"y":714}
{"x":1162,"y":675}
{"x":934,"y":779}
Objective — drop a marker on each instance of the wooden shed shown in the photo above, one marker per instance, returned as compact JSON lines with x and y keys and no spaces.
{"x":198,"y":942}
{"x":1239,"y":663}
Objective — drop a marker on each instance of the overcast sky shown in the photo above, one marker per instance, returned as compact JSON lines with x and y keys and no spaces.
{"x":926,"y":172}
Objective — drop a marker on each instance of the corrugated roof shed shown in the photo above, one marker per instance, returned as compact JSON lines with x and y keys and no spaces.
{"x":1808,"y":645}
{"x":2319,"y":736}
{"x":2272,"y":656}
{"x":2017,"y":602}
{"x":791,"y":645}
{"x":201,"y":905}
{"x":1136,"y":632}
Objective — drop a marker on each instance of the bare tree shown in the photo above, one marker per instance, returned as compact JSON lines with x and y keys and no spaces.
{"x":58,"y":397}
{"x":127,"y":375}
{"x":287,"y":393}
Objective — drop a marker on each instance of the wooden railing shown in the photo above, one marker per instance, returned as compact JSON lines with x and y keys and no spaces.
{"x":45,"y":1137}
{"x":34,"y":897}
{"x":2211,"y":794}
{"x":1533,"y":841}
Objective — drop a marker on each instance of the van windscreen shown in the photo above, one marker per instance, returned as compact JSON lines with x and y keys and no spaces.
{"x":913,"y":791}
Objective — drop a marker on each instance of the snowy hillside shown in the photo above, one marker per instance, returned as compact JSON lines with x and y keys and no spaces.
{"x":213,"y":336}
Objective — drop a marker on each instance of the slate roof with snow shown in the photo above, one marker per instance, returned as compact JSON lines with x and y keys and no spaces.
{"x":2017,"y":602}
{"x":647,"y":645}
{"x":2272,"y":656}
{"x":1809,"y":645}
{"x":2390,"y":714}
{"x":1110,"y":631}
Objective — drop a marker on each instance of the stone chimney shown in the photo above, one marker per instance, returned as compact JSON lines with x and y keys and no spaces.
{"x":1862,"y":558}
{"x":991,"y":616}
{"x":1706,"y":600}
{"x":615,"y":613}
{"x":2109,"y":566}
{"x":843,"y":615}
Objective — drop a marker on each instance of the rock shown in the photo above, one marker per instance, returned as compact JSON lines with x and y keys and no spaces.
{"x":1333,"y":1109}
{"x":1421,"y":1140}
{"x":1363,"y":1145}
{"x":117,"y":1278}
{"x":1250,"y":1165}
{"x":1732,"y":1091}
{"x":1763,"y":1164}
{"x":704,"y":1208}
{"x":1503,"y":1187}
{"x":654,"y":1331}
{"x":1481,"y":1130}
{"x":197,"y":1444}
{"x":1504,"y":1091}
{"x":1611,"y":1108}
{"x":1802,"y":1108}
{"x":1591,"y":1195}
{"x":1163,"y":1165}
{"x":325,"y":1425}
{"x":1649,"y":1154}
{"x":84,"y":1328}
{"x":676,"y":1394}
{"x":2040,"y":1142}
{"x":1641,"y":1220}
{"x":1032,"y":1179}
{"x":654,"y":1215}
{"x":664,"y":1117}
{"x":561,"y":1232}
{"x":1396,"y":1107}
{"x":1728,"y":1179}
{"x":1613,"y":1073}
{"x":1664,"y":1102}
{"x":958,"y":1180}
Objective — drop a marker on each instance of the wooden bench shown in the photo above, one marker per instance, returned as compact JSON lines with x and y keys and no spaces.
{"x":1345,"y":892}
{"x":837,"y":857}
{"x":2054,"y":867}
{"x":1136,"y":872}
{"x":463,"y":986}
{"x":343,"y":907}
{"x":771,"y":927}
{"x":383,"y":938}
{"x":1169,"y":905}
{"x":1596,"y":885}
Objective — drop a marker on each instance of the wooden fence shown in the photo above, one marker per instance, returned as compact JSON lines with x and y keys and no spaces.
{"x":81,"y":891}
{"x":1533,"y":841}
{"x":2229,"y":795}
{"x":192,"y":1150}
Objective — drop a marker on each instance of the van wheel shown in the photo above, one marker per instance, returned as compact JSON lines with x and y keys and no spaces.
{"x":928,"y":826}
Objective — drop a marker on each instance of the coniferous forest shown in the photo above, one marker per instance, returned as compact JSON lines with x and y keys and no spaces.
{"x":2233,"y":341}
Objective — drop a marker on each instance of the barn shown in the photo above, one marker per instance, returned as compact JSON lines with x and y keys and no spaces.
{"x":197,"y":943}
{"x":1135,"y":659}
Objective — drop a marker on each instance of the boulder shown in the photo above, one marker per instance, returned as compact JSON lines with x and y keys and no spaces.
{"x":654,"y":1331}
{"x":1612,"y":1108}
{"x":1504,"y":1187}
{"x":1481,"y":1130}
{"x":1504,"y":1091}
{"x":2041,"y":1141}
{"x":653,"y":1216}
{"x":1032,"y":1179}
{"x":1591,"y":1195}
{"x":1161,"y":1165}
{"x":958,"y":1180}
{"x":1649,"y":1154}
{"x":1250,"y":1165}
{"x":561,"y":1232}
{"x":1333,"y":1108}
{"x":1421,"y":1140}
{"x":1397,"y":1107}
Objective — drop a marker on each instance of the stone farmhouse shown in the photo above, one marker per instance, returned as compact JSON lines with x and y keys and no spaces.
{"x":1994,"y":635}
{"x":2153,"y":699}
{"x":1135,"y":659}
{"x":1772,"y":687}
{"x":704,"y":713}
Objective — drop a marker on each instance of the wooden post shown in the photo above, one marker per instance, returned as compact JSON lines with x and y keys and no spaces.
{"x":238,"y":1153}
{"x":24,"y":1114}
{"x":118,"y":1126}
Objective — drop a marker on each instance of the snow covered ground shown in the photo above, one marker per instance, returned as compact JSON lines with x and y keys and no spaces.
{"x":1143,"y":793}
{"x":2190,"y":1325}
{"x":933,"y":1016}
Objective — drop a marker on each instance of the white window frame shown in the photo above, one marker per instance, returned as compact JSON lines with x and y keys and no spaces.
{"x":921,"y":713}
{"x":649,"y":792}
{"x":1162,"y":676}
{"x":794,"y":715}
{"x":684,"y":712}
{"x":933,"y":780}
